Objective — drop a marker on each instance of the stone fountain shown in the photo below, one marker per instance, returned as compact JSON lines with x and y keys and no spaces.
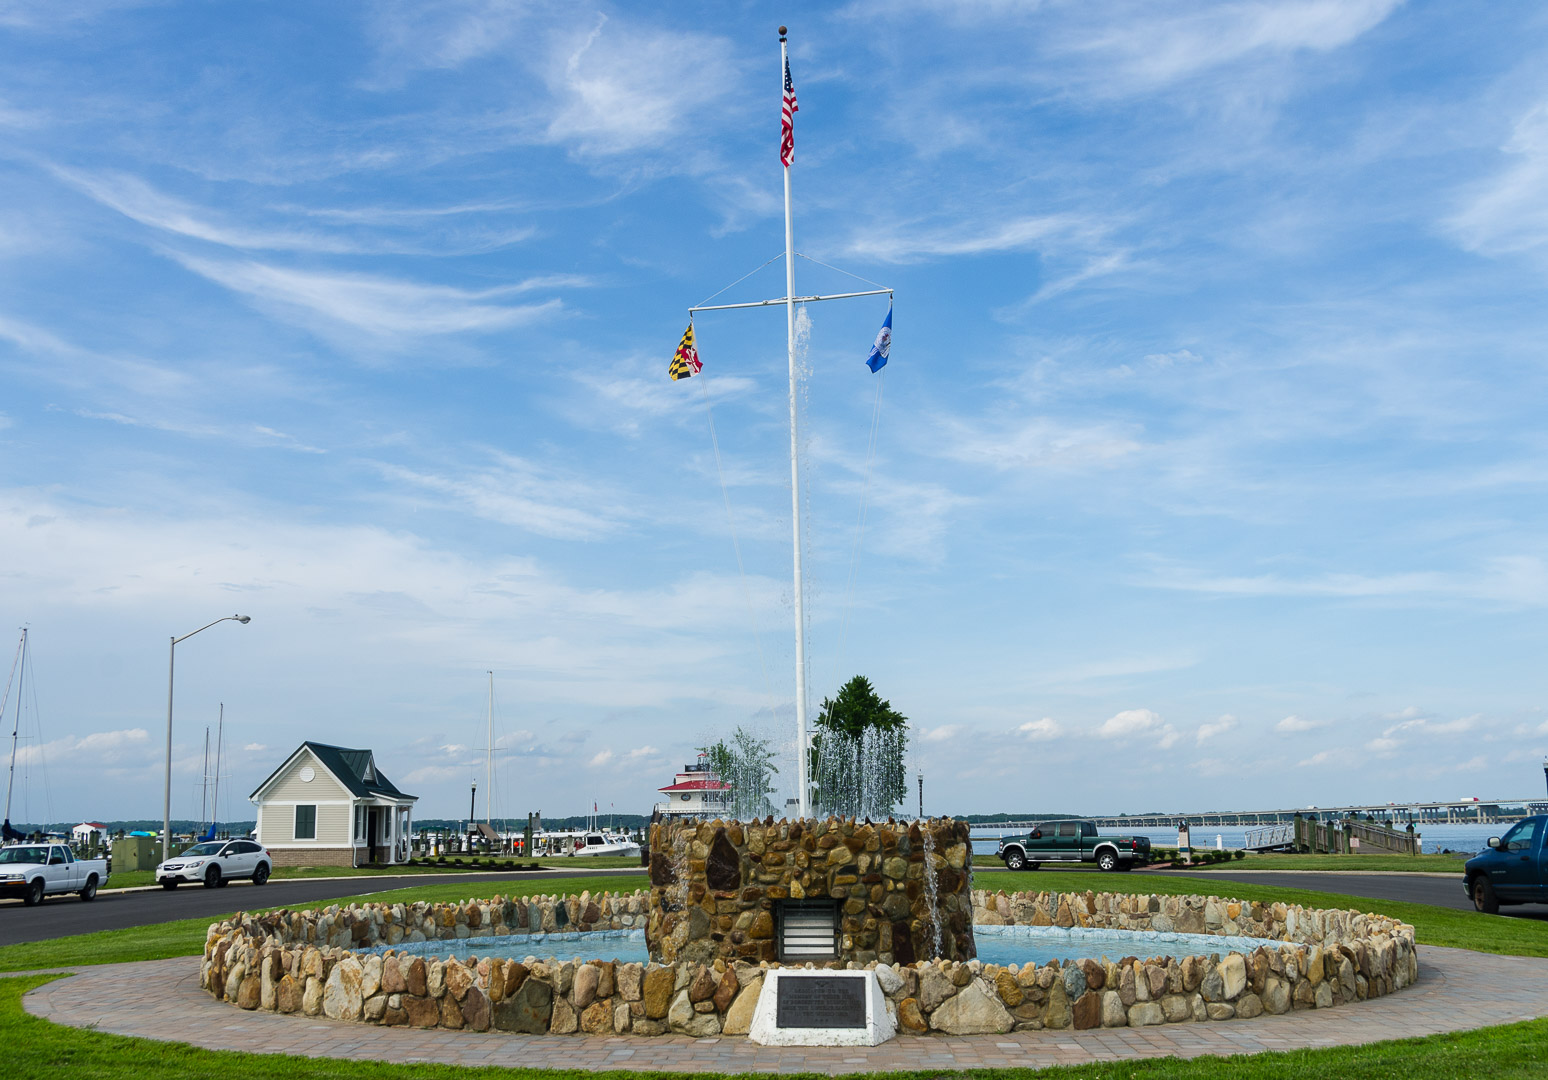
{"x":826,"y":891}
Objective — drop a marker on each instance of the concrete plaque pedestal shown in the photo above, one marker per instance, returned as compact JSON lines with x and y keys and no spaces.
{"x":878,"y":1025}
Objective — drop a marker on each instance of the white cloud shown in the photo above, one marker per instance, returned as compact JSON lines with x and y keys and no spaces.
{"x":1152,"y":46}
{"x":1032,"y":233}
{"x":1212,"y":728}
{"x":1321,"y":757}
{"x":378,"y":307}
{"x":514,"y":491}
{"x":1039,"y":730}
{"x":601,"y":758}
{"x":254,"y":748}
{"x":1508,"y":214}
{"x":943,"y":733}
{"x":1038,"y":443}
{"x":1130,"y":722}
{"x":1293,"y":724}
{"x":99,"y":746}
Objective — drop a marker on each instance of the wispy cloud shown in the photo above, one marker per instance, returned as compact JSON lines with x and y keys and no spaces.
{"x":378,"y":307}
{"x":1040,"y":730}
{"x":1508,"y":213}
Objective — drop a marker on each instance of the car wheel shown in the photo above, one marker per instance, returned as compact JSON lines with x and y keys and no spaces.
{"x":89,"y":893}
{"x":212,"y":878}
{"x":1015,"y":861}
{"x":261,"y":874}
{"x":169,"y":883}
{"x":1107,"y":860}
{"x":1483,"y":896}
{"x":34,"y":894}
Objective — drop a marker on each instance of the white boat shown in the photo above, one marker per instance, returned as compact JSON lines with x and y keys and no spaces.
{"x":605,"y":843}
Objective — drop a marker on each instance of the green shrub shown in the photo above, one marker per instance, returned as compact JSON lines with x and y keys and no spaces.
{"x":1240,"y":854}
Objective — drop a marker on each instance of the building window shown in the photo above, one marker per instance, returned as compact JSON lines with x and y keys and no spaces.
{"x":306,"y":823}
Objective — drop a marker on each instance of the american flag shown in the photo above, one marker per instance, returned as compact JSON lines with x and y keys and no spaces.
{"x":786,"y":123}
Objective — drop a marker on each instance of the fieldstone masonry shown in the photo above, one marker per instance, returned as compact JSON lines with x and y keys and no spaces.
{"x":305,"y":962}
{"x":903,"y":887}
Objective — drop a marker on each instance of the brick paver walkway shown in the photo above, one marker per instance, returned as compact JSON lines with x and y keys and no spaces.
{"x":161,"y":1000}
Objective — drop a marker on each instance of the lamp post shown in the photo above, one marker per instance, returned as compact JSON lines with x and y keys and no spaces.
{"x":920,"y":775}
{"x":472,"y":802}
{"x":166,"y":793}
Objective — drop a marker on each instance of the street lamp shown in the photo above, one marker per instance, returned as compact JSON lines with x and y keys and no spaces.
{"x":166,"y":794}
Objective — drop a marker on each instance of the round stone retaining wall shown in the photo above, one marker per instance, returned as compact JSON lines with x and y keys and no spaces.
{"x":307,"y":962}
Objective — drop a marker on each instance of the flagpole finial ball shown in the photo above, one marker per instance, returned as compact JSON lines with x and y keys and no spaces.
{"x":783,"y":31}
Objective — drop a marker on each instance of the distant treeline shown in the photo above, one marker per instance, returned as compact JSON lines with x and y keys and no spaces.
{"x":179,"y":825}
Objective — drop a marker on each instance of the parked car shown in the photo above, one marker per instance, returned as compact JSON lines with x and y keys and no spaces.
{"x":1072,"y":842}
{"x":1514,"y":869}
{"x":216,"y":862}
{"x":33,"y":871}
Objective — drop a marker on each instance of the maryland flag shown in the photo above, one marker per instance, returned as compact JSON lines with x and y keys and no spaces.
{"x":685,"y":361}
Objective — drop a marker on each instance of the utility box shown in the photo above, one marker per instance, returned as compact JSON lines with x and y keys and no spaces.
{"x":136,"y":853}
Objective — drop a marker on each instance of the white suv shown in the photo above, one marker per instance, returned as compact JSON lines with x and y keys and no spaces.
{"x":216,"y":862}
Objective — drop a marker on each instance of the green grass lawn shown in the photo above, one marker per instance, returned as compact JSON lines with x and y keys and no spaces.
{"x":37,"y":1047}
{"x":185,"y":937}
{"x":1432,"y":925}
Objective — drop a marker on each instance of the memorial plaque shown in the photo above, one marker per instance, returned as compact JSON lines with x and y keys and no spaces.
{"x":821,"y":1001}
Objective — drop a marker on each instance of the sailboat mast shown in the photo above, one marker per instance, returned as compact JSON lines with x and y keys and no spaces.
{"x":21,"y":676}
{"x":204,"y":794}
{"x":220,"y":735}
{"x":802,"y":794}
{"x":489,"y":760}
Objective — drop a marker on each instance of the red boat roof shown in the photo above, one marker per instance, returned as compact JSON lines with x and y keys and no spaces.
{"x":697,"y":785}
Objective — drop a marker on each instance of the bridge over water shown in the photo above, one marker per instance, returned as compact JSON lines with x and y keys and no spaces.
{"x":1449,"y":812}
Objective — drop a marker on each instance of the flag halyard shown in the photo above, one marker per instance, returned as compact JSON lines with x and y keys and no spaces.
{"x":788,"y":108}
{"x":685,"y":361}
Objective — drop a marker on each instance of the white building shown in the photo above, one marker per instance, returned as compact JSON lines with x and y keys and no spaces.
{"x":331,"y":806}
{"x":695,"y":793}
{"x":83,"y":832}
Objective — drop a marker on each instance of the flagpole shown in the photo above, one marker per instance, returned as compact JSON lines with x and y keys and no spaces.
{"x":803,"y":795}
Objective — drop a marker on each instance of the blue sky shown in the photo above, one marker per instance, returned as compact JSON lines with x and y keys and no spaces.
{"x":1210,"y":463}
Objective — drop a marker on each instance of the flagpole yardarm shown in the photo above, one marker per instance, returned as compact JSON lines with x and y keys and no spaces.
{"x":787,"y":155}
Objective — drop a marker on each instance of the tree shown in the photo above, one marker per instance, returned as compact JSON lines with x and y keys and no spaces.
{"x":857,"y":754}
{"x":747,"y":764}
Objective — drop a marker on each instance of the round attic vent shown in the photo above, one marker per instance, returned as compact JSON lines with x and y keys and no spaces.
{"x":308,"y":774}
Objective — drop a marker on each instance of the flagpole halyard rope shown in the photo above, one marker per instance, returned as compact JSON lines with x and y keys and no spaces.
{"x":854,"y":555}
{"x":737,"y":282}
{"x":725,"y":495}
{"x":837,"y":270}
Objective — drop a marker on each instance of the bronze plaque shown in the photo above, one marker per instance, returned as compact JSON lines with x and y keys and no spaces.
{"x":820,"y":1001}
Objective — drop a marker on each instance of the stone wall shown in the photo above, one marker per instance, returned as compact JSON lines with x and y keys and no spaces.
{"x":902,"y":886}
{"x":302,"y":962}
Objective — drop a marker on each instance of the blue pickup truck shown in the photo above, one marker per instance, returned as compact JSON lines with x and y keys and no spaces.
{"x":1514,"y":870}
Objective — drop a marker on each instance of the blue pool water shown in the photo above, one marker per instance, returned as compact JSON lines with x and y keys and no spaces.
{"x":1002,"y":945}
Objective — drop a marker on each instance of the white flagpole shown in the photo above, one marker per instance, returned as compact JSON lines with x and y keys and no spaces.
{"x":803,"y":794}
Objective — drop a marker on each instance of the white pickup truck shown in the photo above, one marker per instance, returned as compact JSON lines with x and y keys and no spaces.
{"x":33,"y":871}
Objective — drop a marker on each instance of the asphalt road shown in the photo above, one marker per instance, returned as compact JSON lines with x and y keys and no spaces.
{"x":114,"y":910}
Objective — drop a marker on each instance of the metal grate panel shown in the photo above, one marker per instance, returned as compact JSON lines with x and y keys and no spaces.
{"x":808,"y":931}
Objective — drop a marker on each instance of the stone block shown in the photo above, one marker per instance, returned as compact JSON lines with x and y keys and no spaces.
{"x":1146,"y":1014}
{"x":1114,"y":1014}
{"x":527,"y":1010}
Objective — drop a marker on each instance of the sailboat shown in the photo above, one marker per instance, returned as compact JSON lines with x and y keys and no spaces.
{"x":19,"y":672}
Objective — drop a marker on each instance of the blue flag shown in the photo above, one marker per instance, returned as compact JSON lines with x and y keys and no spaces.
{"x":878,"y":358}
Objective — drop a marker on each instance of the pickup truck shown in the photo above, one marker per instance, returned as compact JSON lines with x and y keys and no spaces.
{"x":1072,"y":842}
{"x":33,"y":871}
{"x":1514,"y":868}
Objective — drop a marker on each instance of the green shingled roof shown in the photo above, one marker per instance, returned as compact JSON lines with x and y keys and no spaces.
{"x":356,"y":770}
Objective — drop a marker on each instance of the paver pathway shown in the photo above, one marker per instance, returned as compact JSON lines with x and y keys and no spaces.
{"x":161,"y":999}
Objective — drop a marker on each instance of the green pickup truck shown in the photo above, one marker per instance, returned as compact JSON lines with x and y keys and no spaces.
{"x":1072,"y":842}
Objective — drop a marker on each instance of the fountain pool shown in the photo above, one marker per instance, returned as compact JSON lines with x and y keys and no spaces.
{"x":1003,"y":945}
